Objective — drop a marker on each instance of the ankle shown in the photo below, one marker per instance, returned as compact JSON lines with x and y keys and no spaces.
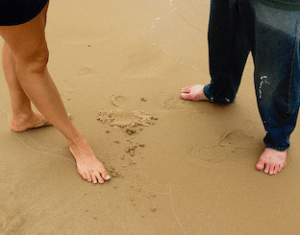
{"x":76,"y":140}
{"x":21,"y":117}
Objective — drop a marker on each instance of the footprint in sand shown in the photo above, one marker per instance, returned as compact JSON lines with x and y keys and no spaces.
{"x":70,"y":88}
{"x":3,"y":223}
{"x":84,"y":71}
{"x":15,"y":224}
{"x":213,"y":154}
{"x":236,"y":140}
{"x":69,"y":92}
{"x":119,"y":101}
{"x":11,"y":225}
{"x":177,"y":104}
{"x":206,"y":155}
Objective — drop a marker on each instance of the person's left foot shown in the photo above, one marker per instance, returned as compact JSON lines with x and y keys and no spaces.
{"x":36,"y":120}
{"x":271,"y":161}
{"x":88,"y":166}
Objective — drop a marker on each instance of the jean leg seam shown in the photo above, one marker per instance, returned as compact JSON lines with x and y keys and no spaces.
{"x":292,"y":68}
{"x":231,"y":37}
{"x":291,"y":75}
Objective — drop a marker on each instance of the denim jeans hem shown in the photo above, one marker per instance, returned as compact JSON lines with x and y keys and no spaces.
{"x":280,"y":149}
{"x":213,"y":99}
{"x":207,"y":93}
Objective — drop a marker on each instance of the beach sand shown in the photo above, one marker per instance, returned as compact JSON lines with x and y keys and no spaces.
{"x":178,"y":167}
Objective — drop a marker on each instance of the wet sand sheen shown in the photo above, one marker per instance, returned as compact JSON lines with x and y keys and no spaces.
{"x":178,"y":167}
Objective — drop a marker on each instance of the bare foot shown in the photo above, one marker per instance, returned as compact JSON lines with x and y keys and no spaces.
{"x":193,"y":92}
{"x":24,"y":122}
{"x":88,"y":166}
{"x":272,"y":161}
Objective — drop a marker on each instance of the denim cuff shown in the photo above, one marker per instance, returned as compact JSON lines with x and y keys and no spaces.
{"x":277,"y":148}
{"x":207,"y":93}
{"x":213,"y":99}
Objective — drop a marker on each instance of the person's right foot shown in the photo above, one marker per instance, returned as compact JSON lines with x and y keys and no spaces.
{"x":193,"y":92}
{"x":25,"y":122}
{"x":29,"y":121}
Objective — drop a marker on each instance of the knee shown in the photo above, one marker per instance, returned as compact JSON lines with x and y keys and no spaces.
{"x":33,"y":62}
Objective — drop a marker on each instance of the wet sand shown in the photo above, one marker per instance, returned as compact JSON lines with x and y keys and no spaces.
{"x":178,"y":167}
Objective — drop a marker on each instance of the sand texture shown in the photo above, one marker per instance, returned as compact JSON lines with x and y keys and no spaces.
{"x":177,"y":167}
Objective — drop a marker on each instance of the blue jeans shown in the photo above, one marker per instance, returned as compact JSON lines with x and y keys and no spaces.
{"x":237,"y":27}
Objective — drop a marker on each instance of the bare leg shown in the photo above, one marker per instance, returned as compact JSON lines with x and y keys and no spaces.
{"x":272,"y":161}
{"x":23,"y":117}
{"x":30,"y":53}
{"x":193,"y":92}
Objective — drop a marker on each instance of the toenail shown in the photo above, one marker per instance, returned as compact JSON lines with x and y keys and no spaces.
{"x":107,"y":177}
{"x":101,"y":182}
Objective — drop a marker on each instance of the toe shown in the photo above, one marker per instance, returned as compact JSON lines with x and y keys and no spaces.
{"x":94,"y":179}
{"x":276,"y":170}
{"x":186,"y":89}
{"x":260,"y":165}
{"x":185,"y":96}
{"x":267,"y":169}
{"x":271,"y":169}
{"x":103,"y":173}
{"x":280,"y":167}
{"x":88,"y":177}
{"x":99,"y":178}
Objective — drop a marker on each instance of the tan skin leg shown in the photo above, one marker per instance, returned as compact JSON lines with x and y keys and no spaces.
{"x":25,"y":57}
{"x":23,"y":117}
